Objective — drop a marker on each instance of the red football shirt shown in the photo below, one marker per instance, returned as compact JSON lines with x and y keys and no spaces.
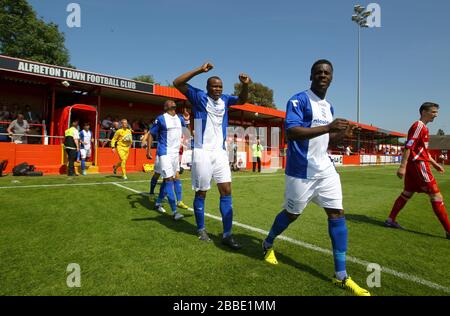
{"x":418,"y":138}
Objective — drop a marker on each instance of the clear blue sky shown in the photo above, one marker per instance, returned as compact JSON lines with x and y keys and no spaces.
{"x":404,"y":63}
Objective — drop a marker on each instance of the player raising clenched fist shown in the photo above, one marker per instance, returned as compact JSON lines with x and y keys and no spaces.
{"x":210,"y":159}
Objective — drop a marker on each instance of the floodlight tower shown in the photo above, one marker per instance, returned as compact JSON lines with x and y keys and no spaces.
{"x":360,"y":18}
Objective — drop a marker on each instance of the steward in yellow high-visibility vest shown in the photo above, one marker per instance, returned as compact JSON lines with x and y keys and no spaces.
{"x":257,"y":150}
{"x":72,"y":146}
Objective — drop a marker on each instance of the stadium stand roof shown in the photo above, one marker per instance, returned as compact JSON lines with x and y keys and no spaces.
{"x":15,"y":69}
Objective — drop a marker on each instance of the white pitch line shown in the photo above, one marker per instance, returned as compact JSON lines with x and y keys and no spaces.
{"x":127,"y":188}
{"x":109,"y":182}
{"x":400,"y":275}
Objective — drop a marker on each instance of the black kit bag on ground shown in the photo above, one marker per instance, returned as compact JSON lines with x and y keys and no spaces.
{"x":21,"y":169}
{"x":24,"y":169}
{"x":32,"y":172}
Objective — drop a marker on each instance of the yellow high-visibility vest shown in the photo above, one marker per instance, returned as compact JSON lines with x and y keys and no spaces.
{"x":70,"y":135}
{"x":257,"y":150}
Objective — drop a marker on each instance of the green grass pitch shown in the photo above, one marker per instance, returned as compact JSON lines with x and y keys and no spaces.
{"x":123,"y":247}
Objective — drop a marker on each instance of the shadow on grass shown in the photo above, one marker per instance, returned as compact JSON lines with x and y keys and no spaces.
{"x":376,"y":222}
{"x":364,"y":219}
{"x":251,"y":246}
{"x":167,"y":220}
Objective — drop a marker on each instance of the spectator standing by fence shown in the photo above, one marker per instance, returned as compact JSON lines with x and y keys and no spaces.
{"x":234,"y":147}
{"x":257,"y":154}
{"x":18,"y":129}
{"x":143,"y":138}
{"x":112,"y":131}
{"x":348,"y":150}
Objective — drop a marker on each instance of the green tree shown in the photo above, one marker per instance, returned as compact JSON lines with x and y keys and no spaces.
{"x":145,"y":78}
{"x":258,"y":94}
{"x":23,"y":35}
{"x":440,"y":132}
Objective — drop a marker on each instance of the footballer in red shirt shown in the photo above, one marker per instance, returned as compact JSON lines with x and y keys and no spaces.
{"x":415,"y":169}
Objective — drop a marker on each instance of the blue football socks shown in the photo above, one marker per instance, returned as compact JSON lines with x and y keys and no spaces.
{"x":226,"y":209}
{"x":338,"y":234}
{"x":178,"y":190}
{"x":153,"y":183}
{"x":199,"y":212}
{"x":280,"y":224}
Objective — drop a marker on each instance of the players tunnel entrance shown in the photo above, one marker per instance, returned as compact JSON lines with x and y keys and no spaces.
{"x":84,"y":114}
